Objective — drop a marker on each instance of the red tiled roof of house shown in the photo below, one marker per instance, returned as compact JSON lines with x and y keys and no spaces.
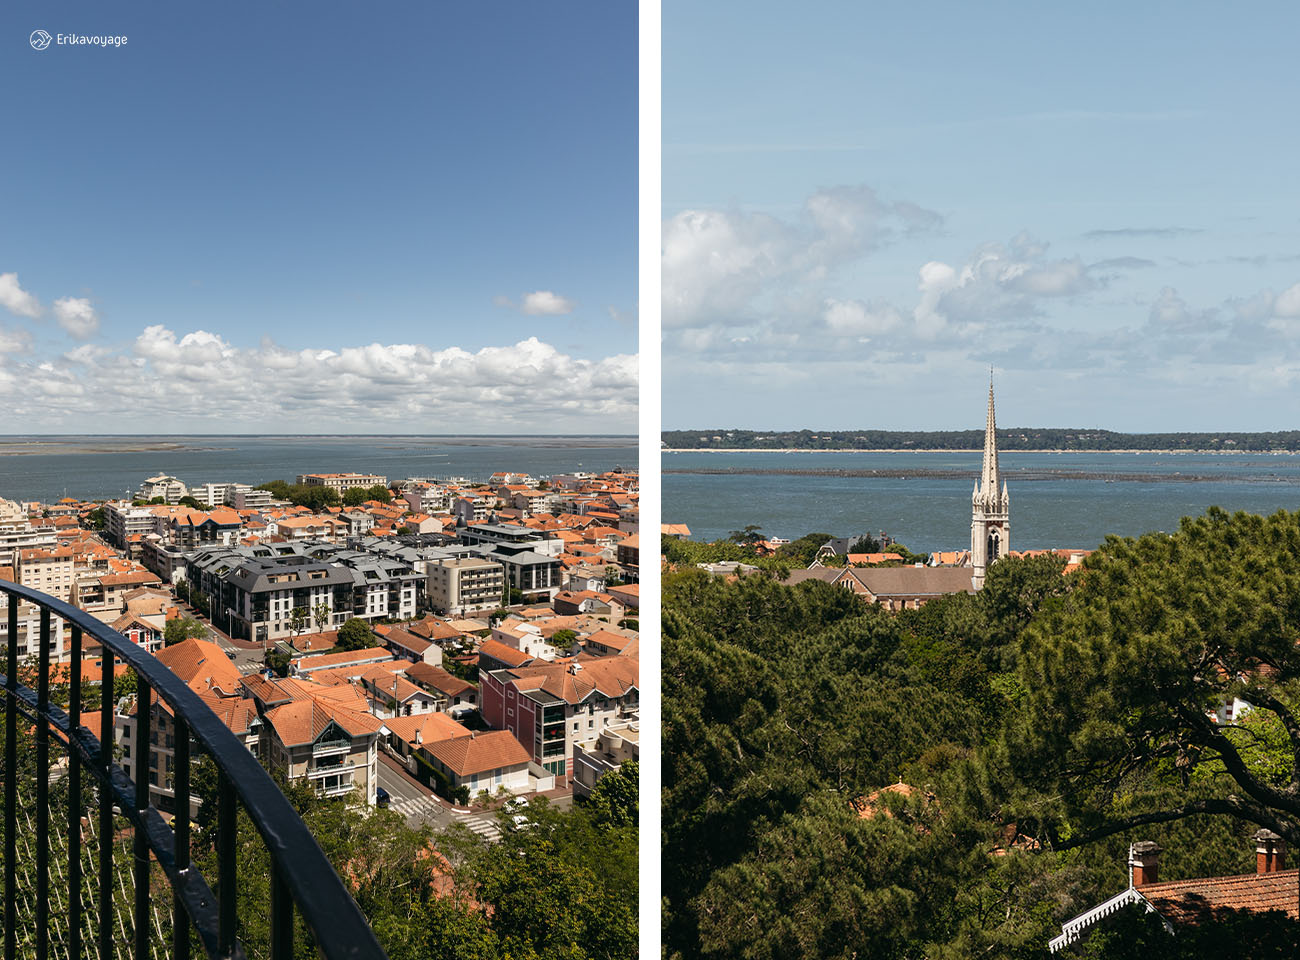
{"x":123,"y":579}
{"x":322,"y":661}
{"x":1188,"y":901}
{"x":612,"y":677}
{"x":202,"y":665}
{"x":872,"y":557}
{"x":868,"y":806}
{"x":426,"y":728}
{"x":236,"y":713}
{"x":407,"y":640}
{"x":479,"y":752}
{"x":614,"y":641}
{"x":434,"y":629}
{"x":499,"y":651}
{"x":439,"y":679}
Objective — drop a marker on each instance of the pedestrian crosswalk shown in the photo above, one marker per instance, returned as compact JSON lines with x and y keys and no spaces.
{"x":423,"y":808}
{"x":428,"y":810}
{"x":485,"y":827}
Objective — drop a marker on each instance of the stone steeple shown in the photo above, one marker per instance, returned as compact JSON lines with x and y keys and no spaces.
{"x":990,"y":528}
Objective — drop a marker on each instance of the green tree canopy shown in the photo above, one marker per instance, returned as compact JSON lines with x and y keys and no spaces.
{"x":614,"y":800}
{"x":1125,"y":676}
{"x":183,"y":628}
{"x":355,"y":634}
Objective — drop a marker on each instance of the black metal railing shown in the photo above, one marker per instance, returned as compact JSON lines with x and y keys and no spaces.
{"x":302,"y":879}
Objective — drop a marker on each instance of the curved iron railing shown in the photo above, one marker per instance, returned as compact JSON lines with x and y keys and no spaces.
{"x":301,"y":876}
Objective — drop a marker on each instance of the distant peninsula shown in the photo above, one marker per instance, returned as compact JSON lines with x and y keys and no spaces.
{"x":1014,"y":438}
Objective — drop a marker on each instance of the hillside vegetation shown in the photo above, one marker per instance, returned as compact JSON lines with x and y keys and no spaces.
{"x":1037,"y":728}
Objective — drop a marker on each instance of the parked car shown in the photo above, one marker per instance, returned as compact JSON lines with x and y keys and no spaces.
{"x":382,"y":799}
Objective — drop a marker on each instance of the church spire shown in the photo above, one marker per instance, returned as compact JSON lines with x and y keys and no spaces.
{"x":990,"y":529}
{"x":989,"y":478}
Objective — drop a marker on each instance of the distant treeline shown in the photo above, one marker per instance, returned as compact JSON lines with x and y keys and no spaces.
{"x":1017,"y":438}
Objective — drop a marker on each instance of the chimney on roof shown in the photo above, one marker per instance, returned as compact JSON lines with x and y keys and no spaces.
{"x":1270,"y":852}
{"x":1143,"y":863}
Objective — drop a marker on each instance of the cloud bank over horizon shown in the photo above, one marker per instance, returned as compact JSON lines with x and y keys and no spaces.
{"x":167,"y":381}
{"x":781,"y":311}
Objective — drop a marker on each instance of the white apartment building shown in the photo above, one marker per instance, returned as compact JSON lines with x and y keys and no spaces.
{"x":169,"y":488}
{"x":339,"y":482}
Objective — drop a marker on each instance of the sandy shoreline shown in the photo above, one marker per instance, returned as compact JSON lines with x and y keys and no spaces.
{"x":54,"y":447}
{"x":1226,"y":453}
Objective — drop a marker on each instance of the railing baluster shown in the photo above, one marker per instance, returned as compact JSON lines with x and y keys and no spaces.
{"x":107,"y":686}
{"x":11,"y":786}
{"x":281,"y":917}
{"x":74,"y":801}
{"x":181,"y":828}
{"x":143,"y":710}
{"x":226,"y":827}
{"x":43,"y":793}
{"x":302,"y":882}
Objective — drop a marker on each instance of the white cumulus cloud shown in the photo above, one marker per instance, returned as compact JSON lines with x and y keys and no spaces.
{"x":546,"y":303}
{"x":539,"y":303}
{"x":77,"y":316}
{"x":1287,"y":303}
{"x":723,"y":266}
{"x":168,"y":380}
{"x":15,"y":299}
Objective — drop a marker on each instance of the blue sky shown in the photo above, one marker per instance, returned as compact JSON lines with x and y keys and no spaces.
{"x":867,"y":205}
{"x":321,"y":209}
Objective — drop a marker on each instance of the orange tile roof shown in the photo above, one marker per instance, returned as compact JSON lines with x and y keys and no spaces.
{"x":439,"y":679}
{"x":426,"y":728}
{"x":499,"y":651}
{"x":236,"y":713}
{"x":872,"y":557}
{"x":480,"y":752}
{"x":302,"y":721}
{"x":323,"y":661}
{"x":434,"y":629}
{"x":137,"y":576}
{"x":1189,"y":901}
{"x":612,"y":677}
{"x":202,"y":665}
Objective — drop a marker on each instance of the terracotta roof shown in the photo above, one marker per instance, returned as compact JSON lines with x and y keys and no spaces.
{"x":499,"y":651}
{"x":303,"y":721}
{"x":1189,"y":901}
{"x":426,"y":728}
{"x":138,"y":576}
{"x":479,"y":752}
{"x":868,"y":806}
{"x":613,"y":641}
{"x":407,"y":640}
{"x":611,"y":677}
{"x":202,"y":665}
{"x":322,"y":661}
{"x":437,"y":678}
{"x":237,"y":713}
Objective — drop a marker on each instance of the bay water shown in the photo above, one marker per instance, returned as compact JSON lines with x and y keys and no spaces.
{"x":95,"y":467}
{"x":923,"y":499}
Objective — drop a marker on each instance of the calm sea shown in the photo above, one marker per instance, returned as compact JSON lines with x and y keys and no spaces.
{"x":115,"y":467}
{"x":1057,"y":499}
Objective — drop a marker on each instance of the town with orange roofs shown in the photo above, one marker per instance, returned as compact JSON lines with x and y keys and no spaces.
{"x":439,"y":646}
